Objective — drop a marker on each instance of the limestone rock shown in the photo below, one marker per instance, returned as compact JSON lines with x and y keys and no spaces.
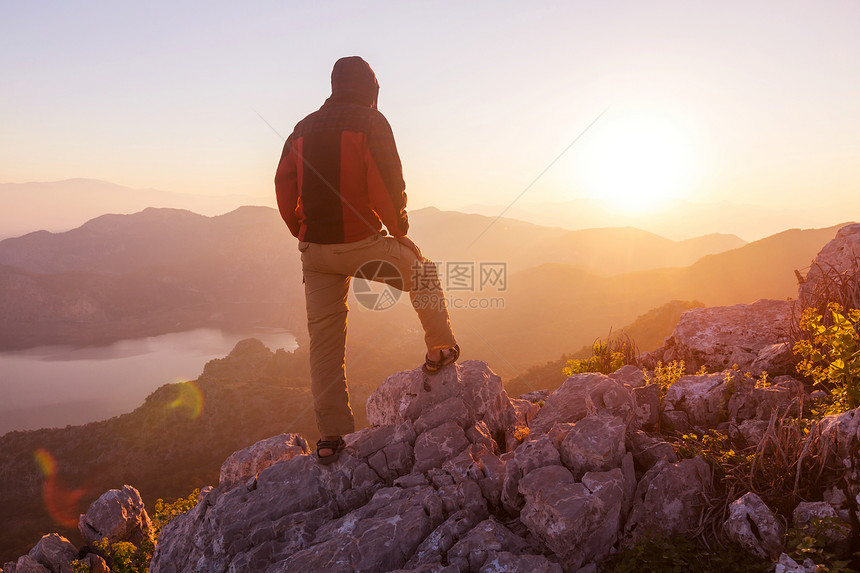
{"x":788,"y":565}
{"x":578,"y":521}
{"x":647,"y":406}
{"x":840,"y":255}
{"x":411,"y":394}
{"x":703,"y":398}
{"x":785,"y":396}
{"x":118,"y":515}
{"x":252,"y":460}
{"x":718,"y":337}
{"x":753,"y":526}
{"x":581,"y":395}
{"x":505,"y":562}
{"x":530,"y":456}
{"x":27,"y":564}
{"x":594,"y":444}
{"x":669,"y":498}
{"x":486,"y":538}
{"x":435,"y":447}
{"x":836,"y":532}
{"x":55,"y":552}
{"x":647,"y":450}
{"x":629,"y":375}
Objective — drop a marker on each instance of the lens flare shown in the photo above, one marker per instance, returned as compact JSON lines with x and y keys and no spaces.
{"x":188,"y":400}
{"x":61,"y":503}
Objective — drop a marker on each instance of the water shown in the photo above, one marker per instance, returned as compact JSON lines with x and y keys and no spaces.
{"x":54,"y":386}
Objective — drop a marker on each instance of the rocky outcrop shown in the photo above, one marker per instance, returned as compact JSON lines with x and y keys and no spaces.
{"x":118,"y":515}
{"x":838,"y":257}
{"x":249,"y":462}
{"x":753,"y":526}
{"x":720,"y":337}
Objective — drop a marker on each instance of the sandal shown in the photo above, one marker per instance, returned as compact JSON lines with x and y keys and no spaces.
{"x":434,"y":366}
{"x":336,"y":447}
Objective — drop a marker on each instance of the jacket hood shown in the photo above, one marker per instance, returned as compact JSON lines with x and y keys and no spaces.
{"x":353,"y":81}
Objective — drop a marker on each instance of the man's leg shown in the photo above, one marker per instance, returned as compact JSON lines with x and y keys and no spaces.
{"x":325,"y":296}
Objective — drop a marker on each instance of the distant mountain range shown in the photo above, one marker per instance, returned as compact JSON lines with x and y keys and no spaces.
{"x":677,"y":219}
{"x":63,"y":205}
{"x":163,"y":270}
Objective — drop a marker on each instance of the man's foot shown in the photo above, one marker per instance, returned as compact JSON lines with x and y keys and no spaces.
{"x":329,"y":449}
{"x":435,"y":360}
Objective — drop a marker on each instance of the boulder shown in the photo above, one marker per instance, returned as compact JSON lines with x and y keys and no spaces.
{"x":581,"y":395}
{"x":647,"y":450}
{"x":118,"y":515}
{"x":788,"y":565}
{"x":578,"y":521}
{"x":838,"y":256}
{"x":669,"y":499}
{"x":26,"y":564}
{"x":534,"y":454}
{"x":753,"y":526}
{"x":434,"y":447}
{"x":785,"y":396}
{"x":629,"y":375}
{"x":719,"y":337}
{"x":702,"y":398}
{"x":505,"y":562}
{"x":488,"y":537}
{"x":410,"y":395}
{"x":55,"y":552}
{"x":647,"y":400}
{"x":594,"y":444}
{"x":820,"y":518}
{"x":252,"y":460}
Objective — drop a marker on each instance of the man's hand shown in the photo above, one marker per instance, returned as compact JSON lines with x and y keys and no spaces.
{"x":406,"y":241}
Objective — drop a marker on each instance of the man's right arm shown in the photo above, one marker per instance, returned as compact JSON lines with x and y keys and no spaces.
{"x":287,"y":187}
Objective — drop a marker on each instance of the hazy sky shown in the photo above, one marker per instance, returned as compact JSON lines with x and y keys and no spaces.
{"x":752,"y":102}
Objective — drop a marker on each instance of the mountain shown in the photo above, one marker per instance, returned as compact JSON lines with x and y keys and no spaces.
{"x":163,"y":270}
{"x":677,"y":219}
{"x":62,"y":205}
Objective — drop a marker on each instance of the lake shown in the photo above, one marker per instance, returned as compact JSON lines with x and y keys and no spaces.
{"x":54,"y":386}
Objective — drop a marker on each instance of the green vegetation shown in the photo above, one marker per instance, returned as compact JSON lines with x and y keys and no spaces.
{"x":666,"y":375}
{"x":831,"y":354}
{"x":679,"y":554}
{"x":815,"y":542}
{"x":606,"y":357}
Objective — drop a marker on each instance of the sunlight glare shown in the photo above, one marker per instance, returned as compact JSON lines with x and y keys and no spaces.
{"x":636,"y":162}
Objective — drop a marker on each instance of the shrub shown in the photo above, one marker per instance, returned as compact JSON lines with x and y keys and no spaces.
{"x":831,"y":355}
{"x":666,"y":375}
{"x":606,"y":357}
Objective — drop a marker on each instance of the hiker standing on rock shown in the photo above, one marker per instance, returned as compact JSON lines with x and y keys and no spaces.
{"x":338,"y":182}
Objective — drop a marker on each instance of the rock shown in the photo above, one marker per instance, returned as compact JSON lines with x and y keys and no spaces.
{"x":379,"y":536}
{"x":118,"y":515}
{"x":435,"y":547}
{"x":820,"y":518}
{"x":530,"y":456}
{"x":675,"y":420}
{"x":26,"y":564}
{"x":788,"y":565}
{"x":774,"y":359}
{"x":535,"y":396}
{"x":669,"y":499}
{"x":647,"y":450}
{"x":434,"y":447}
{"x":629,"y":375}
{"x":505,"y":562}
{"x":647,"y":406}
{"x":55,"y":552}
{"x":525,"y":411}
{"x":753,"y":526}
{"x":581,"y":395}
{"x":718,"y":337}
{"x":594,"y":444}
{"x":471,"y":551}
{"x":252,"y":460}
{"x":403,"y":396}
{"x":703,"y":398}
{"x":837,"y":256}
{"x":96,"y":563}
{"x":784,"y":397}
{"x":578,"y":521}
{"x":752,"y":431}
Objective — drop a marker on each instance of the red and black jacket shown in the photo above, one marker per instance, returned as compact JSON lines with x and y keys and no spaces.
{"x":340,"y":178}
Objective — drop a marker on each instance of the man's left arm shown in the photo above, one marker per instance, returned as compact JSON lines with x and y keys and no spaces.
{"x":287,"y":187}
{"x":385,"y":185}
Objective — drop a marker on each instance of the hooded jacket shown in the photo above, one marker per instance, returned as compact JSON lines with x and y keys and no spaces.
{"x":340,"y":178}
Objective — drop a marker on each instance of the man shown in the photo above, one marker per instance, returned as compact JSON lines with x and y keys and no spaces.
{"x":338,"y":182}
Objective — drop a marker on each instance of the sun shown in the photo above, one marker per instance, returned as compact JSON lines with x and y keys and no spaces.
{"x":636,"y":162}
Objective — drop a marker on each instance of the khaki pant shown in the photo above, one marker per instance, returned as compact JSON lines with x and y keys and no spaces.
{"x":327,"y":271}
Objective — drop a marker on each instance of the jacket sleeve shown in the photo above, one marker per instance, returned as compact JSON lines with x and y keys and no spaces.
{"x":385,"y":185}
{"x":287,"y":186}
